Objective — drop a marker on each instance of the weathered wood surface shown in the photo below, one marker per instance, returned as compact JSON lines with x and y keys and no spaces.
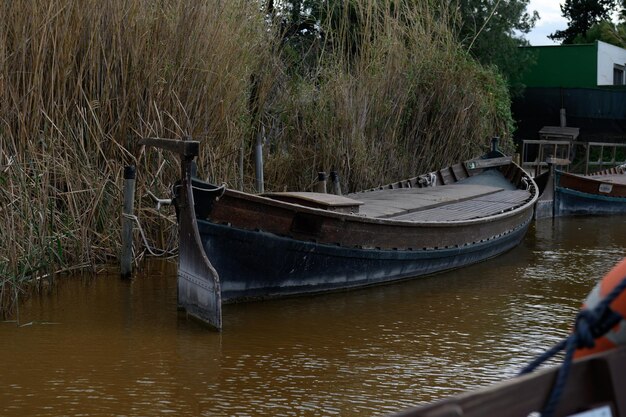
{"x":379,"y":224}
{"x":558,"y":161}
{"x":487,"y":163}
{"x":592,"y":184}
{"x":481,"y":206}
{"x":198,"y":282}
{"x":398,"y":202}
{"x":612,"y":178}
{"x":595,"y":381}
{"x":299,"y":222}
{"x":570,"y":133}
{"x":317,"y":200}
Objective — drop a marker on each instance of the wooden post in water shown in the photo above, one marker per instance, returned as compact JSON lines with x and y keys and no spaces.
{"x":126,"y":258}
{"x":334,"y":183}
{"x":258,"y":159}
{"x":320,"y":187}
{"x":241,"y":168}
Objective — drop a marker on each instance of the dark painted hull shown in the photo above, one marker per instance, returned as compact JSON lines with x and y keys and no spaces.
{"x":572,"y":203}
{"x":266,"y":248}
{"x":255,"y":265}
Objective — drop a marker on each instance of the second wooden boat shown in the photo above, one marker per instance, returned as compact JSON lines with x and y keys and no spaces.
{"x":599,"y":193}
{"x":236,"y":246}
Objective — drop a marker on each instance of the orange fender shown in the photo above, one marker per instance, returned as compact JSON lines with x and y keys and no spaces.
{"x":617,"y":335}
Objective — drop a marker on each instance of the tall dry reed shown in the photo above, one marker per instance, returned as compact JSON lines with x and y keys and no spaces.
{"x":389,"y":97}
{"x":80,"y":82}
{"x":405,"y":98}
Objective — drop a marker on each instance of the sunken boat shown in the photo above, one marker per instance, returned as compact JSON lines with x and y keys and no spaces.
{"x":236,"y":246}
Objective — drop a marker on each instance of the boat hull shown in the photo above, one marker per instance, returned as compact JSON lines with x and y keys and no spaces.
{"x":237,"y":246}
{"x":258,"y":265}
{"x":572,"y":203}
{"x":588,"y":195}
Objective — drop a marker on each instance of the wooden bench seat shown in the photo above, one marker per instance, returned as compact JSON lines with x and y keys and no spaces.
{"x":324,"y":201}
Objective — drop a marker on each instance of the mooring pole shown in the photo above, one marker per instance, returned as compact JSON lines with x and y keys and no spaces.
{"x":258,"y":159}
{"x":335,"y":184}
{"x":494,"y":143}
{"x":320,"y":187}
{"x":126,"y":258}
{"x":241,"y":168}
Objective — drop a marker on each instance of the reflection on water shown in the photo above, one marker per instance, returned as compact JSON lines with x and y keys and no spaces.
{"x":102,"y":347}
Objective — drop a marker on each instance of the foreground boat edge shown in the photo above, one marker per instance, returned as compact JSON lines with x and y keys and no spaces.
{"x":596,"y":381}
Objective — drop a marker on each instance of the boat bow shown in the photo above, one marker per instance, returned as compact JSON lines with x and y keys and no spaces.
{"x":198,"y":282}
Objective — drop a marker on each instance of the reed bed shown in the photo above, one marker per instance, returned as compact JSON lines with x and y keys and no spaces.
{"x":389,"y":96}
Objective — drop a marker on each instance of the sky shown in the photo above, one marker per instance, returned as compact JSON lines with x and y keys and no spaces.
{"x":550,"y":20}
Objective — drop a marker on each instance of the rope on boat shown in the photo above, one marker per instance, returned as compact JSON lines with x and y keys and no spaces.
{"x":161,"y":252}
{"x":221,"y":189}
{"x":590,"y":324}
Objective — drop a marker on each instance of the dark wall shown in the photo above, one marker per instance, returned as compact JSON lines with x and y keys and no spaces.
{"x":599,"y":113}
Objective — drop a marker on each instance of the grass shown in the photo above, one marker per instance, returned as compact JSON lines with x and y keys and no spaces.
{"x":386,"y":93}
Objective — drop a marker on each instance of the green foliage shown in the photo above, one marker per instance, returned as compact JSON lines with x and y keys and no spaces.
{"x":604,"y":31}
{"x":582,"y":15}
{"x":589,"y":21}
{"x":487,"y":28}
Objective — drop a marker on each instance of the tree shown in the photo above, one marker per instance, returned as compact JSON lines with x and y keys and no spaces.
{"x":604,"y":31}
{"x":492,"y":31}
{"x":582,"y":15}
{"x":607,"y":31}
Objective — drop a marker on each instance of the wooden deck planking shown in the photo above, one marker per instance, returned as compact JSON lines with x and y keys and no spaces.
{"x":509,"y":196}
{"x":474,"y":208}
{"x":469,"y":209}
{"x":440,"y":193}
{"x":459,"y":211}
{"x":385,"y":203}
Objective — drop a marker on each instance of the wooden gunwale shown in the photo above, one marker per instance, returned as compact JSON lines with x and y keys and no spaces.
{"x":244,"y":211}
{"x":595,"y":381}
{"x":352,"y":231}
{"x":590,"y":184}
{"x":295,"y":208}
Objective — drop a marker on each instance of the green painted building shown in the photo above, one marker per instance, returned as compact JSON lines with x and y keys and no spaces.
{"x":591,"y":65}
{"x":563,"y":66}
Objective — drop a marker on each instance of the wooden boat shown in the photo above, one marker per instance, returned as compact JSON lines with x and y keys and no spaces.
{"x":595,"y":388}
{"x":600,"y":193}
{"x":603,"y":192}
{"x":236,"y":246}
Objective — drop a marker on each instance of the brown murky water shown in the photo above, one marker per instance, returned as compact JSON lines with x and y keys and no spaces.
{"x":99,"y":346}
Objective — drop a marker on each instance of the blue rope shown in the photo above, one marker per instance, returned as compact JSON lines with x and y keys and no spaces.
{"x":590,"y":324}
